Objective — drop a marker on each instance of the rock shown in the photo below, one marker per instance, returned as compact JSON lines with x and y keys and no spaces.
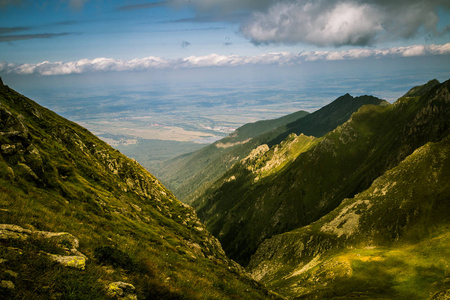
{"x":74,"y":261}
{"x":29,"y":171}
{"x":6,"y":284}
{"x":121,"y":290}
{"x":13,"y":232}
{"x":11,"y":273}
{"x":442,"y":295}
{"x":64,"y":240}
{"x":8,"y":149}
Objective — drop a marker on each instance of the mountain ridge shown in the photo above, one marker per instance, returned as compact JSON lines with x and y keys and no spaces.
{"x":391,"y":222}
{"x":190,"y":175}
{"x":56,"y":178}
{"x":243,"y":212}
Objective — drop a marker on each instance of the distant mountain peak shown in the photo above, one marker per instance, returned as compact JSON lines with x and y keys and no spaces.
{"x":419,"y":90}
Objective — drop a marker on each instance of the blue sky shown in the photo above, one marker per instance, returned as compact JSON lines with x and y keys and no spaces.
{"x":254,"y":59}
{"x":32,"y":32}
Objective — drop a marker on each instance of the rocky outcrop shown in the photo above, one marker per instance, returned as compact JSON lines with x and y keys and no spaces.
{"x":63,"y":242}
{"x":121,"y":290}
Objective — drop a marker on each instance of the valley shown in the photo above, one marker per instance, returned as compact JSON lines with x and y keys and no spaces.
{"x":306,"y":206}
{"x":224,"y":150}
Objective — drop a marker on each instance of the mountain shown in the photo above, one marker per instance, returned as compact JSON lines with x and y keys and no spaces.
{"x":191,"y":174}
{"x":328,"y":117}
{"x":390,"y":241}
{"x":79,"y":220}
{"x":268,"y":194}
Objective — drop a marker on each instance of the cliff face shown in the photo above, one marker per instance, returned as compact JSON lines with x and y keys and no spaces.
{"x":134,"y":235}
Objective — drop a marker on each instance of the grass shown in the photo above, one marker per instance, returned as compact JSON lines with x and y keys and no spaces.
{"x":242,"y":213}
{"x":84,"y":187}
{"x":398,"y":248}
{"x":402,"y":271}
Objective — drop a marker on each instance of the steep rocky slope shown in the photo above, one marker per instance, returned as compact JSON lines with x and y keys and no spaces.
{"x":390,"y":241}
{"x":243,"y":212}
{"x":82,"y":221}
{"x":191,"y":174}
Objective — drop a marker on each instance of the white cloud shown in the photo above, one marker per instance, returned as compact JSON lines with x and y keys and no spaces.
{"x":361,"y":53}
{"x":294,"y":22}
{"x":327,"y":22}
{"x":102,"y":64}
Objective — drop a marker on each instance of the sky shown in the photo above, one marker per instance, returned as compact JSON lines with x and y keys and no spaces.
{"x":51,"y":37}
{"x":63,"y":53}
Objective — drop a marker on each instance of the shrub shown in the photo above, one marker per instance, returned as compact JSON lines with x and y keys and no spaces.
{"x":114,"y":257}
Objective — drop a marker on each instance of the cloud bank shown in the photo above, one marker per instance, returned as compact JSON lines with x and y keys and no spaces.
{"x":48,"y":68}
{"x":329,"y":22}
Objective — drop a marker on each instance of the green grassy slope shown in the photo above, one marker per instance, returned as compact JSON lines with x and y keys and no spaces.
{"x":328,"y":117}
{"x":56,"y":176}
{"x":191,"y":174}
{"x":150,"y":153}
{"x":244,"y":212}
{"x":389,"y":242}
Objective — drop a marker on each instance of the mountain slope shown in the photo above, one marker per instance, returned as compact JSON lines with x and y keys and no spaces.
{"x":390,"y":241}
{"x":125,"y":232}
{"x":243,"y":212}
{"x":189,"y":175}
{"x":328,"y":117}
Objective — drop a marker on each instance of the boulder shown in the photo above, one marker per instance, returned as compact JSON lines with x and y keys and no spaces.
{"x":121,"y":290}
{"x":6,"y":284}
{"x":13,"y":232}
{"x":63,"y":240}
{"x":73,"y":261}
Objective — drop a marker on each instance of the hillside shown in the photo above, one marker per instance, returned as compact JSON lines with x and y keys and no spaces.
{"x":328,"y":117}
{"x":81,"y":221}
{"x":389,"y":242}
{"x":244,"y":208}
{"x":186,"y":174}
{"x":191,"y":174}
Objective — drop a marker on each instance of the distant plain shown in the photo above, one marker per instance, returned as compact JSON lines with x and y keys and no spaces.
{"x":153,"y":116}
